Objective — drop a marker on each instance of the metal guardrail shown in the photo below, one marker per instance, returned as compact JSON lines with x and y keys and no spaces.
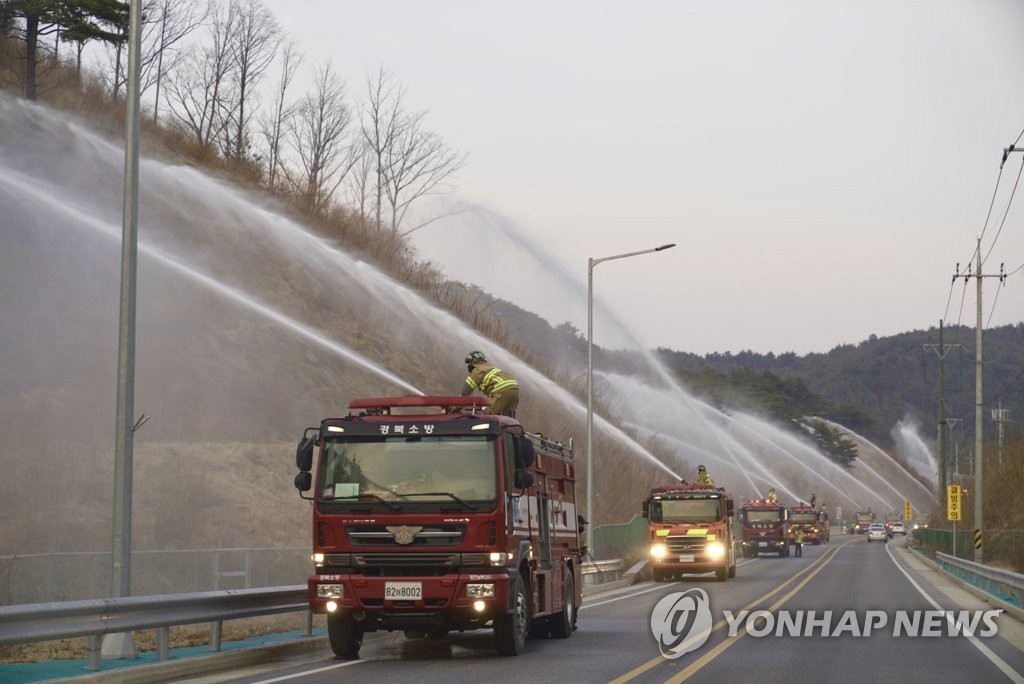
{"x":83,"y":575}
{"x":94,"y":618}
{"x":1005,"y":585}
{"x":599,"y":572}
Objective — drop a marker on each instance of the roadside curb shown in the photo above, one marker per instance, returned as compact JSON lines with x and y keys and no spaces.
{"x":1011,"y":610}
{"x":193,"y":666}
{"x":629,"y":578}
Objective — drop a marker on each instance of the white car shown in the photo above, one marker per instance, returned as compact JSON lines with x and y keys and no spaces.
{"x":877,"y":532}
{"x":899,"y":528}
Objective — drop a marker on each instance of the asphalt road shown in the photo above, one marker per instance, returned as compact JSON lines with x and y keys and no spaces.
{"x":862,"y":584}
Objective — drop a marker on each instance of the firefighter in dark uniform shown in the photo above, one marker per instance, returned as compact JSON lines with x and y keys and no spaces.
{"x":497,"y":384}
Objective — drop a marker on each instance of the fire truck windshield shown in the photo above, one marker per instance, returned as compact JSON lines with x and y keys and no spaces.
{"x":416,"y":469}
{"x":803,"y":518}
{"x":687,"y":510}
{"x":755,"y":517}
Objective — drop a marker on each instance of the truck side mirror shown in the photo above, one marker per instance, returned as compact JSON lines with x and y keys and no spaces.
{"x":645,"y":508}
{"x":304,"y":454}
{"x":524,"y":453}
{"x":729,"y":508}
{"x":523,"y":479}
{"x":304,"y":481}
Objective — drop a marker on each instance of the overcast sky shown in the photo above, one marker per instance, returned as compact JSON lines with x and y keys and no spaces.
{"x":822,"y":166}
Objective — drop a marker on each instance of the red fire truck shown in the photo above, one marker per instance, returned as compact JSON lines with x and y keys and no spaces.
{"x":690,"y":530}
{"x":764,"y":528}
{"x":430,"y":516}
{"x":861,"y":520}
{"x":813,"y":522}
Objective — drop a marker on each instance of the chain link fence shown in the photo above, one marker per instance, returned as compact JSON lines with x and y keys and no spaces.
{"x":1000,"y":548}
{"x":48,"y":577}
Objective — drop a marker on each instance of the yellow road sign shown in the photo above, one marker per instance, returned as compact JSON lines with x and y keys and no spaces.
{"x":953,"y":502}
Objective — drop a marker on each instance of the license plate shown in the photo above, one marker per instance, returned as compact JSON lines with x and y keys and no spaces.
{"x":403,"y":591}
{"x":686,"y":558}
{"x":762,"y":544}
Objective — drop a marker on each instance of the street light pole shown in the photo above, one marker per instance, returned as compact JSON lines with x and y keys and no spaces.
{"x":591,"y":263}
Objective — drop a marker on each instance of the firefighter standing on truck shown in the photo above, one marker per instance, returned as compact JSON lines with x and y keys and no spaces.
{"x":703,"y":477}
{"x":497,"y":384}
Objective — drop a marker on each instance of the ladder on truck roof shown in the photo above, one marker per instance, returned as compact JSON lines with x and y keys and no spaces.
{"x":550,"y":445}
{"x":383,"y":405}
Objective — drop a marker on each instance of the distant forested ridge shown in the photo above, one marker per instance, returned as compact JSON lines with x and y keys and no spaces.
{"x":869,"y":387}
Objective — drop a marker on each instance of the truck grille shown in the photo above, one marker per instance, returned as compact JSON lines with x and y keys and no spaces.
{"x":765,"y":538}
{"x":404,"y":564}
{"x":430,"y":535}
{"x":694,"y":545}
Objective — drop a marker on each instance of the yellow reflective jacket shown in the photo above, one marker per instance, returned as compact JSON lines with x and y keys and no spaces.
{"x":488,"y":379}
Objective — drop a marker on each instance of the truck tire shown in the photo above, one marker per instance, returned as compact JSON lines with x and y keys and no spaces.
{"x":510,"y":628}
{"x":345,"y":634}
{"x":659,"y":574}
{"x":721,"y":573}
{"x":732,"y":570}
{"x":563,"y":624}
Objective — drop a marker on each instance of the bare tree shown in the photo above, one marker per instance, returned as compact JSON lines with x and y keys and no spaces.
{"x":408,"y":162}
{"x":167,"y":24}
{"x":201,"y":96}
{"x":253,"y":45}
{"x":272,"y":127}
{"x":317,"y":135}
{"x":360,"y":188}
{"x":380,"y":125}
{"x":418,"y":164}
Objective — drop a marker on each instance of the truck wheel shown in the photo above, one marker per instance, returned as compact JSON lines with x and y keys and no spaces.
{"x":346,"y":635}
{"x":510,"y":628}
{"x":732,"y":570}
{"x":721,"y":573}
{"x":659,"y":574}
{"x":563,"y":624}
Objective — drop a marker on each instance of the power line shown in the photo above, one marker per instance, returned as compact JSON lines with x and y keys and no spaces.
{"x":1006,"y":213}
{"x":992,"y":311}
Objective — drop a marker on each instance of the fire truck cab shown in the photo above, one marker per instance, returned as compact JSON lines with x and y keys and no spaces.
{"x":813,"y":522}
{"x":861,"y":520}
{"x":429,"y":515}
{"x":690,"y":530}
{"x":764,"y":528}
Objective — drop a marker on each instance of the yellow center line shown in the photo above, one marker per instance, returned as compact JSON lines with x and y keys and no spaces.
{"x":819,"y":564}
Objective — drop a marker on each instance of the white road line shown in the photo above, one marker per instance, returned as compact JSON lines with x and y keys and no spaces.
{"x":306,"y":673}
{"x":985,"y":650}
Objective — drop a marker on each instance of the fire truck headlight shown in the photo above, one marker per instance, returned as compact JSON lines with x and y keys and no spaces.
{"x":479,"y":606}
{"x":659,"y":551}
{"x":317,"y":558}
{"x":330,"y":591}
{"x":480,"y":590}
{"x":332,"y":606}
{"x":498,"y":558}
{"x":716,"y":550}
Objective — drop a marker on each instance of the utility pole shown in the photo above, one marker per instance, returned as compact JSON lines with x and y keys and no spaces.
{"x":122,"y":645}
{"x":978,"y":406}
{"x":941,"y":349}
{"x":1001,"y":415}
{"x":953,"y":423}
